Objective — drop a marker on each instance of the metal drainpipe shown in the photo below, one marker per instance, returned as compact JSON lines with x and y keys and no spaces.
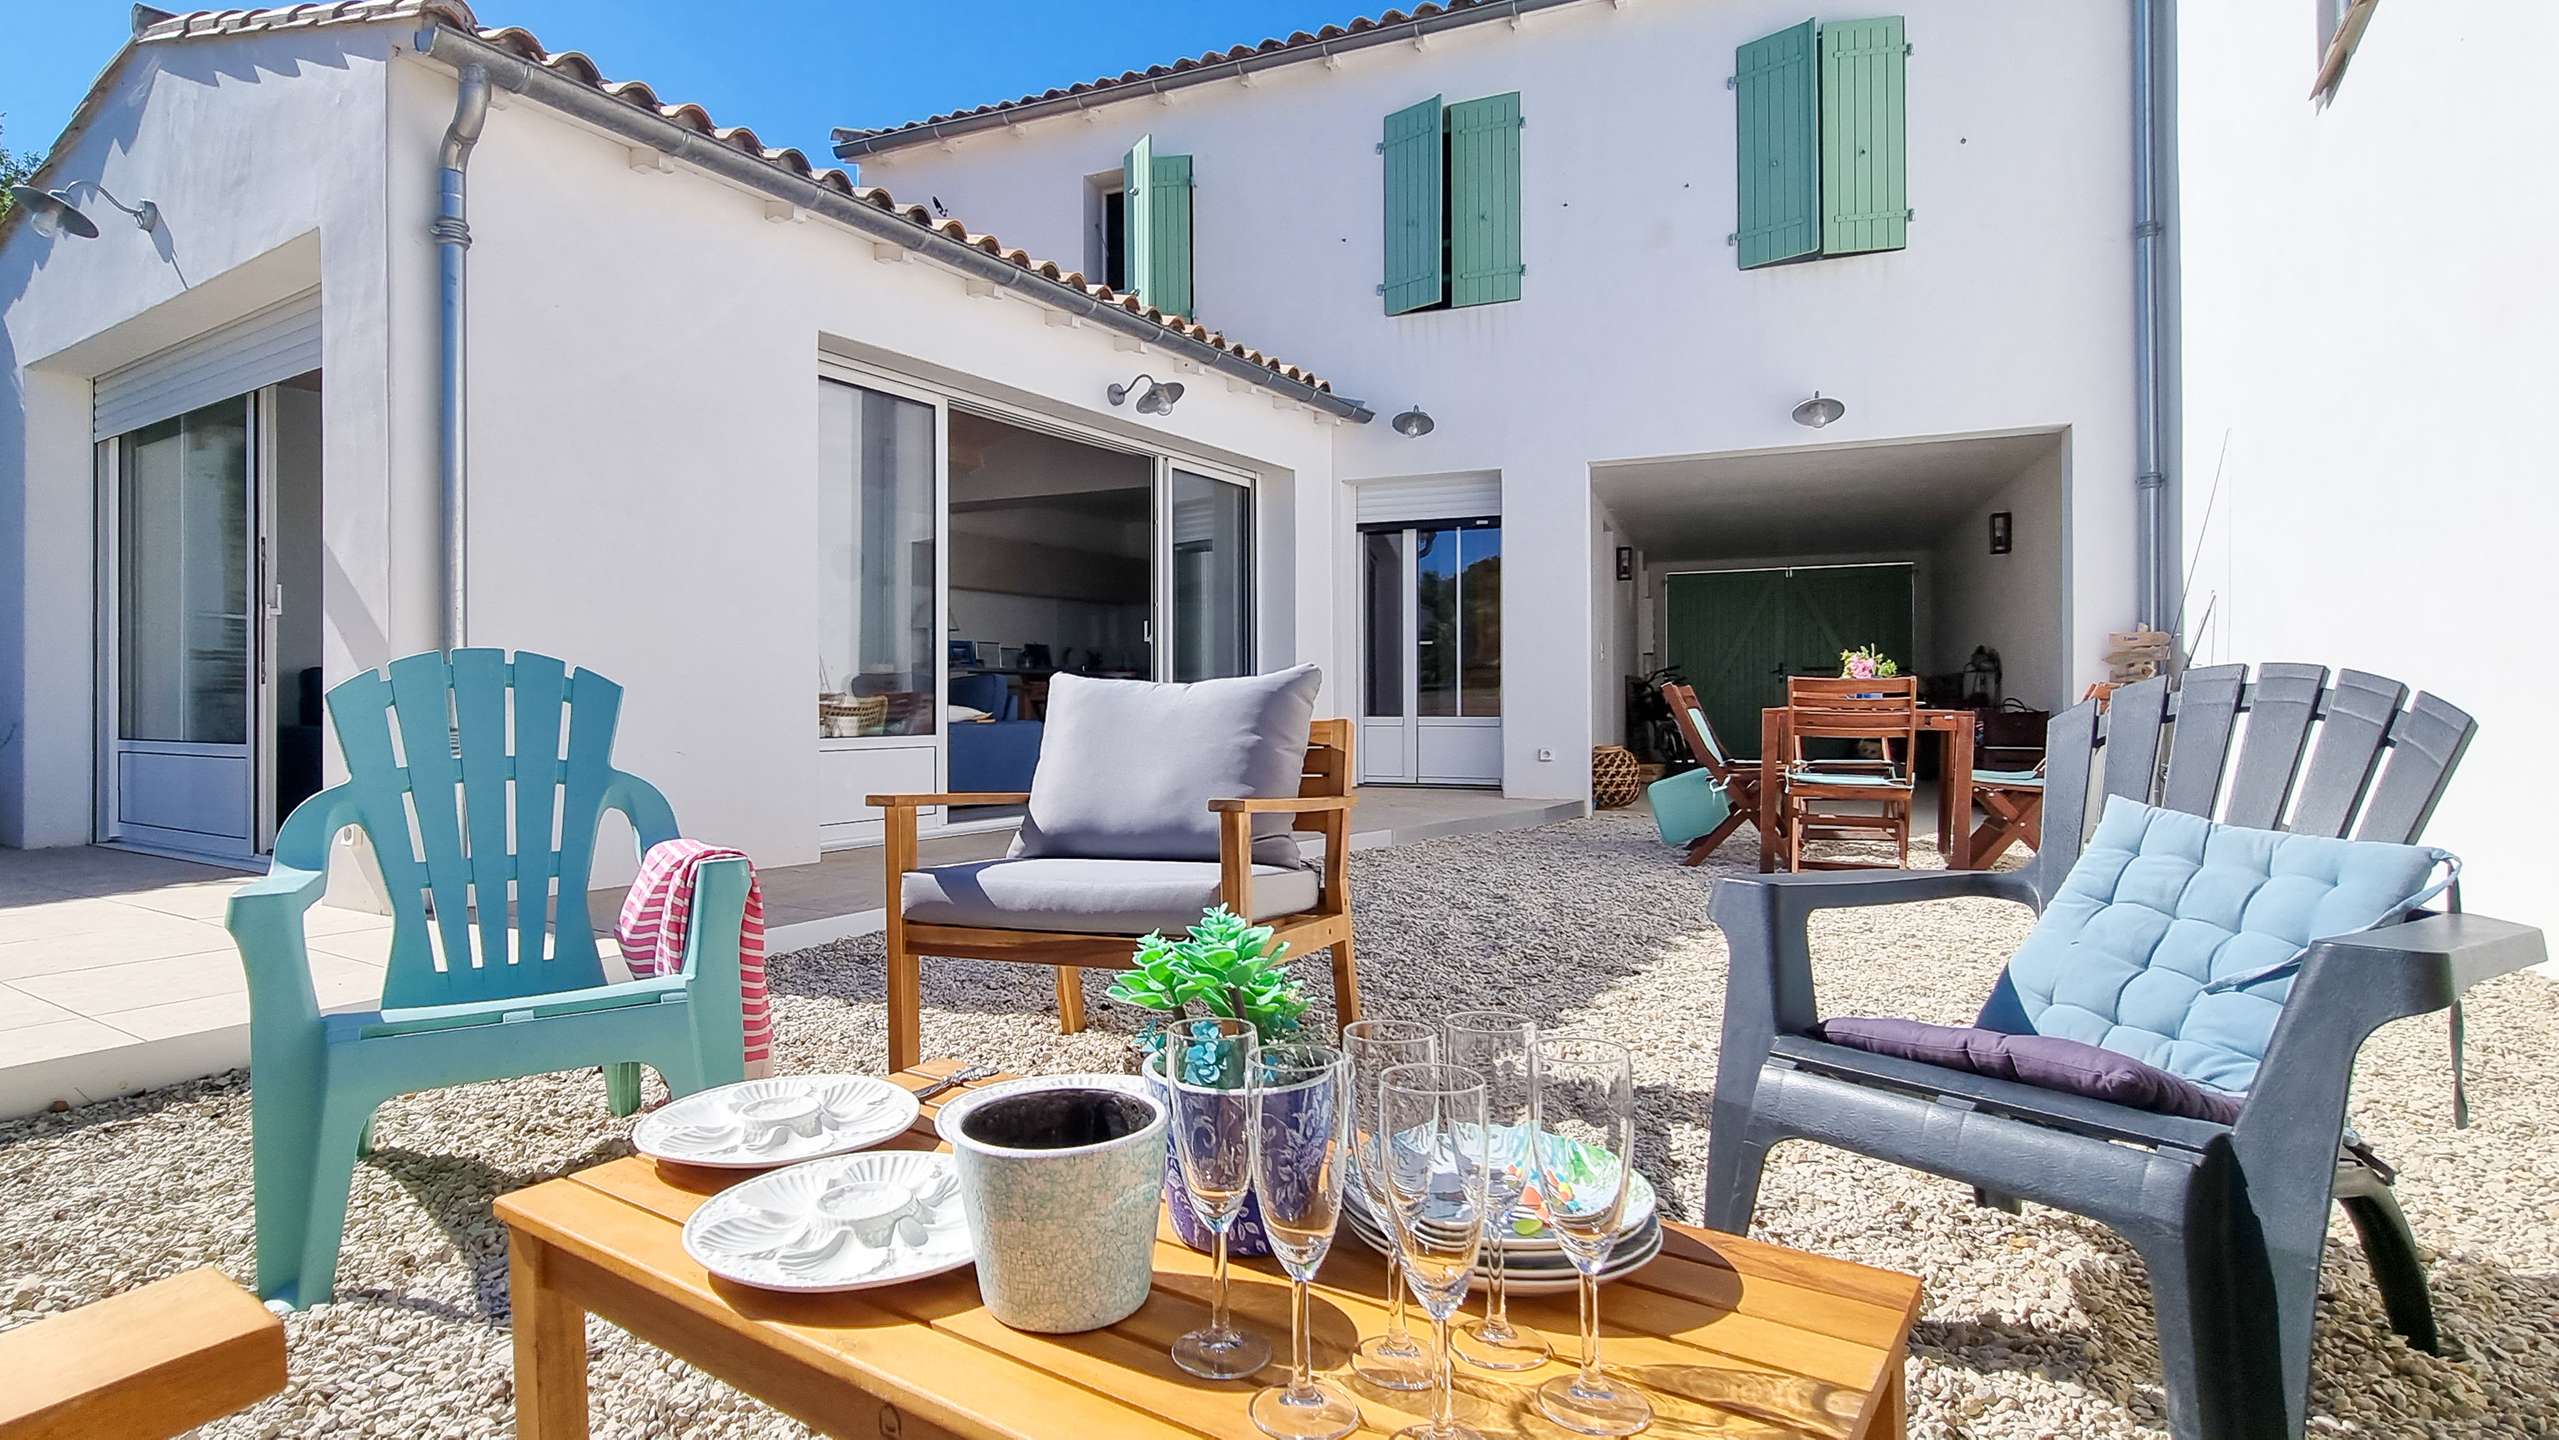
{"x":452,"y":232}
{"x":2149,"y":442}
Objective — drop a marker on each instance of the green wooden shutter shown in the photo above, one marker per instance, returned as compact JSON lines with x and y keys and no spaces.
{"x":1865,"y":198}
{"x":1777,"y":169}
{"x":1167,"y":283}
{"x":1416,"y":160}
{"x":1137,"y":213}
{"x":1483,"y":201}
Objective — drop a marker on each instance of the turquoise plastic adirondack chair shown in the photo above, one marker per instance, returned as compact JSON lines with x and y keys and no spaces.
{"x":531,"y":999}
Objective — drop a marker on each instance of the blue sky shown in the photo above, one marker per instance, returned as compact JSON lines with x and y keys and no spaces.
{"x":788,"y":68}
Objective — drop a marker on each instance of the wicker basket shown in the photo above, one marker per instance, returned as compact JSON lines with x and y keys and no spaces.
{"x":1615,"y":776}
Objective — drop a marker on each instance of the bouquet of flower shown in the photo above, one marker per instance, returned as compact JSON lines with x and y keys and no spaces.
{"x":1866,"y":662}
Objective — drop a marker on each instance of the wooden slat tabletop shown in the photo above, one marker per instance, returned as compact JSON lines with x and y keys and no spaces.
{"x":1730,"y":1337}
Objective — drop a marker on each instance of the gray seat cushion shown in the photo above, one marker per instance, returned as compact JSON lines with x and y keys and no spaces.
{"x":1127,"y":767}
{"x":1108,"y":897}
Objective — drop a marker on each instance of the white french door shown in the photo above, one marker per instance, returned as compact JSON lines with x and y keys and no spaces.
{"x":184,"y":631}
{"x":1431,"y":653}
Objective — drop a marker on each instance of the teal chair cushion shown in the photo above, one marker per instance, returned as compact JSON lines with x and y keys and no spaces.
{"x":1706,"y":732}
{"x":1687,"y":805}
{"x":2174,"y":939}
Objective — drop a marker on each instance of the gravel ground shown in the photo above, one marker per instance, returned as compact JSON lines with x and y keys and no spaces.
{"x":2034,"y":1326}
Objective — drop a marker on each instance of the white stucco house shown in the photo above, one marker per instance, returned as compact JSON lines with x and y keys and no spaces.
{"x":1683,"y":332}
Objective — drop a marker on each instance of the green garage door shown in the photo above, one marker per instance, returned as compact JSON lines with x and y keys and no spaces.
{"x":1737,"y":634}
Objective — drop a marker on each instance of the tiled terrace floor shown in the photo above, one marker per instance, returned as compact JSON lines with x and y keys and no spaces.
{"x":116,"y":974}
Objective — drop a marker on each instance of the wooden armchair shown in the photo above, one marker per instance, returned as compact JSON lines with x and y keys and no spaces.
{"x":1266,"y":894}
{"x":152,"y":1362}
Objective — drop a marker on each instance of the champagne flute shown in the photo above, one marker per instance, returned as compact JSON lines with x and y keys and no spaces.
{"x":1394,"y":1360}
{"x":1496,"y":1044}
{"x":1583,"y":1136}
{"x":1205,"y":1066}
{"x":1302,"y":1114}
{"x":1432,"y":1117}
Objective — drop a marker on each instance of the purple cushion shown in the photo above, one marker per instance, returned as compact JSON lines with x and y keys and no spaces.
{"x":2045,"y":1061}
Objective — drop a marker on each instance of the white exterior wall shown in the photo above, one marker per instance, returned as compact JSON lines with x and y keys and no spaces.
{"x":645,"y":351}
{"x":2367,"y":328}
{"x":1636,"y":335}
{"x":249,"y":220}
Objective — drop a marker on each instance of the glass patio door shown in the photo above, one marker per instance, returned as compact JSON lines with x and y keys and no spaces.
{"x":184,"y":534}
{"x":1431,"y":653}
{"x":1209,"y":542}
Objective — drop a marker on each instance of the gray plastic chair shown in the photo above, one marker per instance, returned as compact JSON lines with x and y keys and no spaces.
{"x":2229,"y":1220}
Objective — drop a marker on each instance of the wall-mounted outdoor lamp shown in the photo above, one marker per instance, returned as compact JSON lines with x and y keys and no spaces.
{"x":1819,"y":411}
{"x":54,"y":212}
{"x":1155,"y":399}
{"x":2003,"y":532}
{"x":1415,"y":423}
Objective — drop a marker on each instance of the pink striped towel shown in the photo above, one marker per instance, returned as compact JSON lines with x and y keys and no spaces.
{"x":652,"y":930}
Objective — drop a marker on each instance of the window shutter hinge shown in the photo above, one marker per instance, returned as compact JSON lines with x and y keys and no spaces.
{"x":1732,"y":237}
{"x":1381,"y":147}
{"x":1732,"y":82}
{"x":1910,"y":215}
{"x":1381,"y":289}
{"x":1910,"y":49}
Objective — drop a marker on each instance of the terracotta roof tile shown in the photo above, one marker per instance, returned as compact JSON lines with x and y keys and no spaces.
{"x":1296,"y":40}
{"x":571,"y":64}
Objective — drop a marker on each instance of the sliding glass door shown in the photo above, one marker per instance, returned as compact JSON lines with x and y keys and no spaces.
{"x":880,"y":566}
{"x":1210,"y":539}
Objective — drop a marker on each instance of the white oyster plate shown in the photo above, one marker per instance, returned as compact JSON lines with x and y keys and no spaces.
{"x":853,"y":1112}
{"x":774,"y":1232}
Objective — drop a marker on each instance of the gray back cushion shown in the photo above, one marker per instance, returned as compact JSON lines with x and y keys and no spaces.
{"x":1127,"y":767}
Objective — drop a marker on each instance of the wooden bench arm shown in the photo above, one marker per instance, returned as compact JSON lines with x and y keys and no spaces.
{"x":1281,"y":805}
{"x":918,"y":802}
{"x":150,"y":1363}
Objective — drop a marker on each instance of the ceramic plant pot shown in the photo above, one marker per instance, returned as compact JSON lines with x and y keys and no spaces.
{"x":1245,"y":1237}
{"x":1058,"y":1177}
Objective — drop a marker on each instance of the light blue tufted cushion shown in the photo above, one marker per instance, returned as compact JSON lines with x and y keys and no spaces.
{"x":2140,"y":948}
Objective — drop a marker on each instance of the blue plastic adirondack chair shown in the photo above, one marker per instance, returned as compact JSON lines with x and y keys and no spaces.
{"x":531,"y":999}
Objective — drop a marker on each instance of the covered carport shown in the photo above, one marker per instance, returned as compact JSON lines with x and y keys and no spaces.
{"x":1946,"y":553}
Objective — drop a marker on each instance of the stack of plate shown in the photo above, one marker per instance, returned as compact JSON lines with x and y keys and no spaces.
{"x":1532,"y":1259}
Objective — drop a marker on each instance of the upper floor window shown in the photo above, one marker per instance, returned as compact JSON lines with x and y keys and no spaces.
{"x":1141,"y":228}
{"x":1452,"y":204}
{"x":1820,"y":159}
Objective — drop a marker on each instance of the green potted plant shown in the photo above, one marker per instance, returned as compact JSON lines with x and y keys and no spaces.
{"x":1224,"y":967}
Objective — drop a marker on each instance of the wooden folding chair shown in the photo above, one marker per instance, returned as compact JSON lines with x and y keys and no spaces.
{"x":1739,"y":779}
{"x":1884,"y":711}
{"x":2012,"y":802}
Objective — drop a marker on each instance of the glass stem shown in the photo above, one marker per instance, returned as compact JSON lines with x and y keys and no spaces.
{"x":1301,"y":1345}
{"x":1590,"y":1332}
{"x":1395,"y":1329}
{"x":1497,"y":1306}
{"x":1444,"y":1403}
{"x":1217,"y":1307}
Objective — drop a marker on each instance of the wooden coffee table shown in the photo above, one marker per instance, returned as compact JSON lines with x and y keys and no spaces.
{"x":1726,"y":1335}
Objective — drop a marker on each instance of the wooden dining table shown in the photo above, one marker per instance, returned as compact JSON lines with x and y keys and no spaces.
{"x":1726,"y":1336}
{"x":1954,"y":796}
